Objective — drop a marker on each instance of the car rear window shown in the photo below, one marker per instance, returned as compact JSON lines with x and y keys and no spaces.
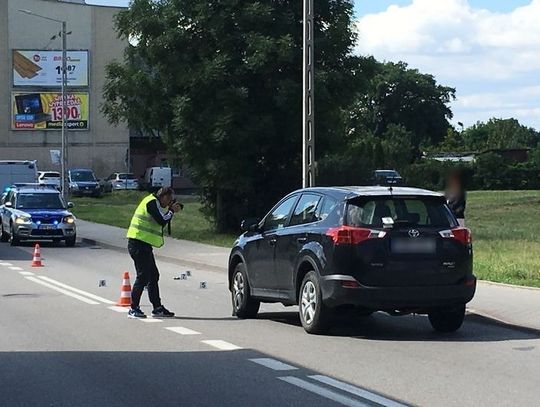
{"x":126,"y":176}
{"x":419,"y":211}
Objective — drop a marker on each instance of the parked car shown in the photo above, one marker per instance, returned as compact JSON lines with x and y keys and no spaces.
{"x":52,"y":178}
{"x":156,"y":177}
{"x":123,"y":180}
{"x":105,"y":185}
{"x":83,"y":182}
{"x":36,"y":213}
{"x":17,"y":171}
{"x":398,"y":250}
{"x":386,"y":177}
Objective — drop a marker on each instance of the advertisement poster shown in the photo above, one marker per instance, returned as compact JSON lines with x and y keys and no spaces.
{"x":43,"y":111}
{"x":44,"y":68}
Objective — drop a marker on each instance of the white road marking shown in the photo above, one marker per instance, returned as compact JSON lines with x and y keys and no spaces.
{"x":66,"y":292}
{"x":15,"y":268}
{"x":26,"y":273}
{"x":150,"y":319}
{"x":6,"y":264}
{"x":273,"y":364}
{"x":357,"y":391}
{"x":321,"y":391}
{"x":182,"y":331}
{"x":68,"y":287}
{"x":221,"y":345}
{"x":119,"y":309}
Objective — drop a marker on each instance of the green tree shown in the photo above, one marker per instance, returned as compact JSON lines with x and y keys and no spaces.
{"x":499,"y":133}
{"x":221,"y":81}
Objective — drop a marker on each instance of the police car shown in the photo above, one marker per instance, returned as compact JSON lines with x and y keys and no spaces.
{"x":32,"y":212}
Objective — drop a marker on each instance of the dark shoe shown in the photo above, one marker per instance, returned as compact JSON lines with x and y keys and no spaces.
{"x":162,"y":312}
{"x":136,"y":313}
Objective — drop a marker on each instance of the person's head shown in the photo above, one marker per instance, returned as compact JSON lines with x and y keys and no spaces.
{"x":165,"y":196}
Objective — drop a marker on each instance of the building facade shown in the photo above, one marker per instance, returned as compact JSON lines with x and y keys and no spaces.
{"x":30,"y":105}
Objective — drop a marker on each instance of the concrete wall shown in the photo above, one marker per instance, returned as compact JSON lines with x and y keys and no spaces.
{"x":103,"y":146}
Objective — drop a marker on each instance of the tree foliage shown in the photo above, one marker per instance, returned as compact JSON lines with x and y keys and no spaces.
{"x":222,"y":82}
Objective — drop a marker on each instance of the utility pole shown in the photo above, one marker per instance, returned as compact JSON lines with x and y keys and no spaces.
{"x":308,"y":113}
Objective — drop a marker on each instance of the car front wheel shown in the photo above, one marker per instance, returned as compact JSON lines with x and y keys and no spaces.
{"x":243,"y":305}
{"x":13,"y":239}
{"x":4,"y":237}
{"x":314,"y":315}
{"x":447,"y":319}
{"x":70,"y":241}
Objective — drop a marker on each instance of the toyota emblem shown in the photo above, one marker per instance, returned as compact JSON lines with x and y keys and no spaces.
{"x":414,"y":233}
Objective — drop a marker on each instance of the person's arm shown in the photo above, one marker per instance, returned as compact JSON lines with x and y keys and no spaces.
{"x":153,"y":210}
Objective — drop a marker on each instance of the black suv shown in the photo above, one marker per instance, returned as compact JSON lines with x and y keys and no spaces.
{"x":398,"y":250}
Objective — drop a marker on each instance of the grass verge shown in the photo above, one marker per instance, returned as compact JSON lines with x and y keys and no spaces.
{"x":505,"y":227}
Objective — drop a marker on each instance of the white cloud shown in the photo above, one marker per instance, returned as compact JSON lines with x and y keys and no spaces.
{"x":481,"y":53}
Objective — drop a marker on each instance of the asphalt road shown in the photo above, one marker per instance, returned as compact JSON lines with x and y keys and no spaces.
{"x":63,"y":343}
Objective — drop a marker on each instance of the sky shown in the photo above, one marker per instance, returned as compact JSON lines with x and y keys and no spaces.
{"x":489,"y":50}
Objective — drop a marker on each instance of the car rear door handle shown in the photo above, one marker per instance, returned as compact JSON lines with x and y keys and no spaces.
{"x":301,"y":240}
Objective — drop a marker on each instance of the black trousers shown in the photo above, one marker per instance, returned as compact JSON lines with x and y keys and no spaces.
{"x":147,"y":273}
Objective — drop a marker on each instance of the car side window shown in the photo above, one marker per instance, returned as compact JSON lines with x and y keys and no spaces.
{"x":279,"y":216}
{"x":327,"y":206}
{"x":305,"y":209}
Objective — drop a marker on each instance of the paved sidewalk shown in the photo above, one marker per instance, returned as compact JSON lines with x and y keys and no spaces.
{"x":511,"y":305}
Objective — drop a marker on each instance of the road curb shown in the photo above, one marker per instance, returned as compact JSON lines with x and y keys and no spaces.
{"x":523,"y":287}
{"x":173,"y":260}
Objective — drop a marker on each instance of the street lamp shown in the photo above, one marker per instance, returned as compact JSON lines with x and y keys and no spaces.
{"x":308,"y":112}
{"x":64,"y":101}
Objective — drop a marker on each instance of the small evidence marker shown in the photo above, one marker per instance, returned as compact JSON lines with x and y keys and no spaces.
{"x":102,"y":283}
{"x":203,"y":285}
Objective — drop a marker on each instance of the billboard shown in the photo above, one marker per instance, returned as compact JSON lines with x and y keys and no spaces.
{"x":44,"y":68}
{"x":43,"y":110}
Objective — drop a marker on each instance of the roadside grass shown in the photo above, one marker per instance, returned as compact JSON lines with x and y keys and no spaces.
{"x":506,"y":235}
{"x":505,"y":227}
{"x":116,"y":209}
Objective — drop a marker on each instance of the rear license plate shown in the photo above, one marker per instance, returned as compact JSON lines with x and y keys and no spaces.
{"x":413,"y":246}
{"x":47,"y":227}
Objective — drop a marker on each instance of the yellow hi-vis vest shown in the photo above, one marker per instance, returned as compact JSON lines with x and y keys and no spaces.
{"x":144,"y":227}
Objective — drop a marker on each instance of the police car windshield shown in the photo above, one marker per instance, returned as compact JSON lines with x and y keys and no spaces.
{"x":82,"y":176}
{"x":39,"y":201}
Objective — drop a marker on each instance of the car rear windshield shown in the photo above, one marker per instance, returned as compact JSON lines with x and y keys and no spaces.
{"x":126,"y":176}
{"x":82,"y":176}
{"x":39,"y":201}
{"x":414,"y":211}
{"x":51,"y":175}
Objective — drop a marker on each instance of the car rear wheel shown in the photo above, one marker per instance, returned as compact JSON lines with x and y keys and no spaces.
{"x":4,"y":237}
{"x":314,"y":315}
{"x":243,"y":305}
{"x":447,"y":319}
{"x":70,"y":241}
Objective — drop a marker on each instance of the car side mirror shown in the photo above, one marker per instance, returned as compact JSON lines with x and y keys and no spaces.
{"x":8,"y":205}
{"x":250,"y":225}
{"x":71,"y":205}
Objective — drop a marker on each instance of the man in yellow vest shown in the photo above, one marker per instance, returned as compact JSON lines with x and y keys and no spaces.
{"x":144,"y":233}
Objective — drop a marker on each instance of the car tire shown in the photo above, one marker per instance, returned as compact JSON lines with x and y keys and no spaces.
{"x":447,"y":319}
{"x":70,"y":241}
{"x":13,"y":240}
{"x":244,"y":306}
{"x":314,"y":314}
{"x":4,"y":237}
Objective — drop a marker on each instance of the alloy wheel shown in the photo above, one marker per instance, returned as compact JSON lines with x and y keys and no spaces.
{"x":309,"y":302}
{"x":238,"y":289}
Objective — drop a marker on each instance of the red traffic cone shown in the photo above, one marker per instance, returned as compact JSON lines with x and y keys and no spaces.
{"x":125,"y":292}
{"x":36,"y":261}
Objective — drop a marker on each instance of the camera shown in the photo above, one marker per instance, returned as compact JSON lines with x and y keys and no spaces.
{"x":175,"y":201}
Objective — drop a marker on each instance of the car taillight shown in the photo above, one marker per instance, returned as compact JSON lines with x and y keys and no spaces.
{"x":351,"y":235}
{"x":460,"y":234}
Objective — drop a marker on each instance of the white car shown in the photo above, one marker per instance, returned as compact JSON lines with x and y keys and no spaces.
{"x":123,"y":180}
{"x":51,"y":178}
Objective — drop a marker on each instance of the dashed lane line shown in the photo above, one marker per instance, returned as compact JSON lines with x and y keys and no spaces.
{"x":26,"y":273}
{"x":119,"y":309}
{"x":150,"y":320}
{"x":15,"y":268}
{"x":357,"y":391}
{"x":182,"y":331}
{"x":61,"y":290}
{"x":273,"y":364}
{"x":5,"y":264}
{"x":221,"y":345}
{"x":321,"y":391}
{"x":76,"y":290}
